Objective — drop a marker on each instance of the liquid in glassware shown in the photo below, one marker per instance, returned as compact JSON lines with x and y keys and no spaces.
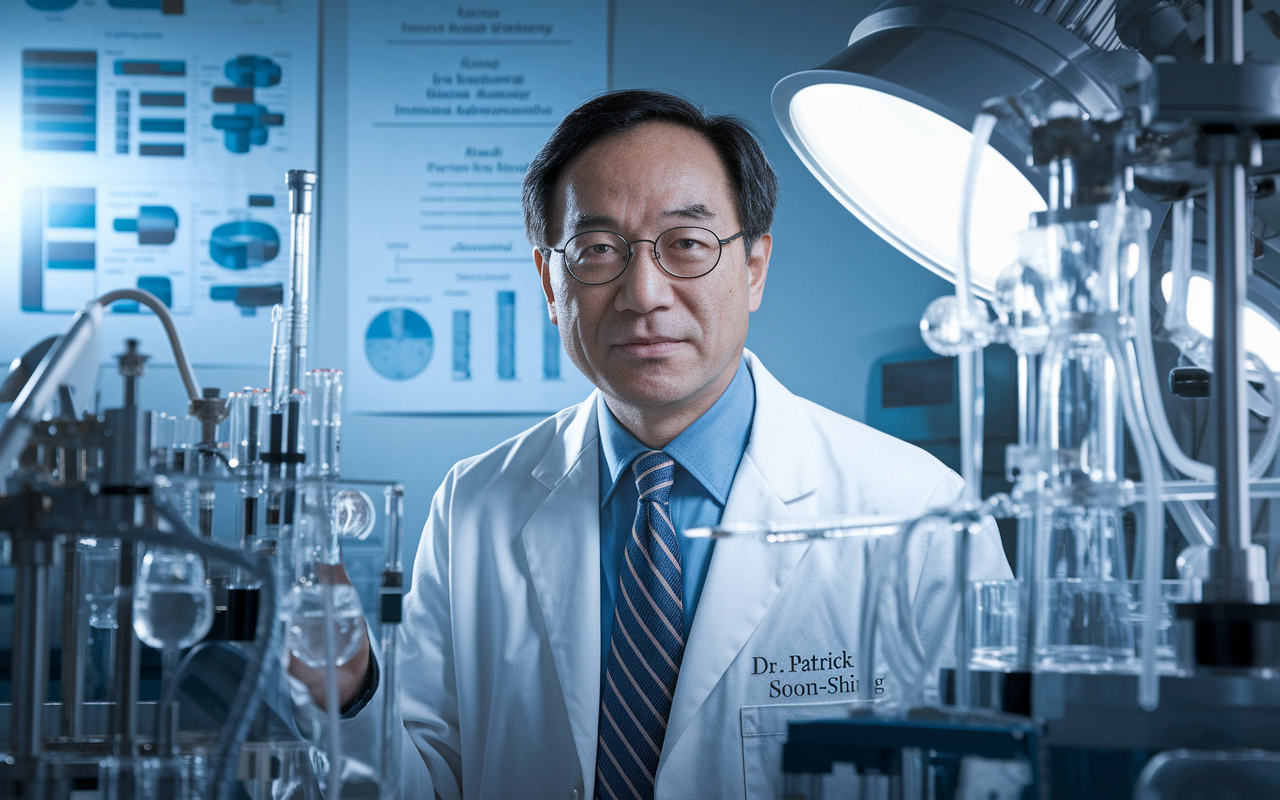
{"x":173,"y":616}
{"x":306,"y":609}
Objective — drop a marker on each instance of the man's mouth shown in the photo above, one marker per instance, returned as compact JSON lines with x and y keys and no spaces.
{"x":650,"y":346}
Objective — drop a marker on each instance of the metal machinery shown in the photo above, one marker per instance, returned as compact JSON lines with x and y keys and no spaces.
{"x":1102,"y":670}
{"x":217,"y":539}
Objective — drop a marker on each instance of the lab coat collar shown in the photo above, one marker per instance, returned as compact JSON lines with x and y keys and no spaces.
{"x":745,"y":577}
{"x":580,"y":432}
{"x":562,"y":544}
{"x":781,"y":442}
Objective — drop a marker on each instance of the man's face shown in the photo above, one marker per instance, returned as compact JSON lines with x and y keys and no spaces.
{"x":657,"y":344}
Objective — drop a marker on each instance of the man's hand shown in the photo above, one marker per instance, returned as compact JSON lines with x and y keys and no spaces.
{"x":351,"y":675}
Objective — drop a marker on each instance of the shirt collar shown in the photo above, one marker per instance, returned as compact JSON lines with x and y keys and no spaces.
{"x":709,"y":449}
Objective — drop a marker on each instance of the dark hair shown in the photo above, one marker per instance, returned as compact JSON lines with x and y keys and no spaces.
{"x":751,"y":178}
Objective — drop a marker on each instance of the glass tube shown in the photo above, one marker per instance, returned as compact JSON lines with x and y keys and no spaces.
{"x":162,"y":432}
{"x":324,"y":388}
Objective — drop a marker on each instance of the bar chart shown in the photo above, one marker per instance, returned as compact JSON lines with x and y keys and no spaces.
{"x":60,"y":100}
{"x":461,"y":345}
{"x":120,"y":178}
{"x":58,"y":248}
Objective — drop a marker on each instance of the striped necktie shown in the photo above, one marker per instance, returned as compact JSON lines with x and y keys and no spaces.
{"x":647,"y":643}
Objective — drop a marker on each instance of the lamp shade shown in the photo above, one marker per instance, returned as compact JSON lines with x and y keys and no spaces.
{"x":884,"y":125}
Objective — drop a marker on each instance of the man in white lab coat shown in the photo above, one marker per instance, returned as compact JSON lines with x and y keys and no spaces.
{"x":560,"y":638}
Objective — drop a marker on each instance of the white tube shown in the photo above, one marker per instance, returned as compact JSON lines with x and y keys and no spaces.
{"x":1150,"y":382}
{"x":1144,"y":445}
{"x":983,"y":125}
{"x":1260,"y":464}
{"x":971,"y":398}
{"x":1175,"y":315}
{"x":166,"y":319}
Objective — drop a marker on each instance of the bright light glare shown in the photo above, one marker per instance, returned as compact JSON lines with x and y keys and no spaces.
{"x":900,"y":169}
{"x":1261,"y":335}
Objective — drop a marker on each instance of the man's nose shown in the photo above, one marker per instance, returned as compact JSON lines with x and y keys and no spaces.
{"x":645,"y":284}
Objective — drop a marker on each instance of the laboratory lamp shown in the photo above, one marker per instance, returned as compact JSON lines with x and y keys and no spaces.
{"x":884,"y":124}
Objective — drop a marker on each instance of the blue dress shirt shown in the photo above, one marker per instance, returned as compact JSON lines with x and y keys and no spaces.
{"x":706,"y":455}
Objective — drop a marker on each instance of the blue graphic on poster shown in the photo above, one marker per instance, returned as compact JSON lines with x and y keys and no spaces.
{"x":398,"y":344}
{"x":151,"y":141}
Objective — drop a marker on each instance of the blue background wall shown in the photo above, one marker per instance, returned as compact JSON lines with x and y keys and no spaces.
{"x":837,"y":296}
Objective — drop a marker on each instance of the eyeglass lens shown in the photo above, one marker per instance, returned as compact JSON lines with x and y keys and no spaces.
{"x":601,"y":256}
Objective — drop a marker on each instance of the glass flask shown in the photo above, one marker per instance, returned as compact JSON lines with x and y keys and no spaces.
{"x":172,"y":610}
{"x":307,"y":612}
{"x":323,"y":603}
{"x":172,"y":606}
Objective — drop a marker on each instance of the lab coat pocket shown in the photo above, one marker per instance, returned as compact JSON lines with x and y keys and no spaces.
{"x":764,"y":731}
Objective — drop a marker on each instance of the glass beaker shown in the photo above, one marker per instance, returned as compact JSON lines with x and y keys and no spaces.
{"x":996,"y":624}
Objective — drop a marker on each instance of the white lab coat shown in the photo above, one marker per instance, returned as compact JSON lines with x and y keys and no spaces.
{"x":500,"y":647}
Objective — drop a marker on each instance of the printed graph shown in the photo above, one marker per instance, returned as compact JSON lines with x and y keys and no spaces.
{"x":154,"y":225}
{"x":58,"y":248}
{"x":249,"y":122}
{"x":461,"y":345}
{"x":244,"y":244}
{"x":550,"y":350}
{"x":398,"y":343}
{"x":60,"y":100}
{"x":506,"y":336}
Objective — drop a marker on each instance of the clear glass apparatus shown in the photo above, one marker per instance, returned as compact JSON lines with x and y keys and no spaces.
{"x":1084,"y":260}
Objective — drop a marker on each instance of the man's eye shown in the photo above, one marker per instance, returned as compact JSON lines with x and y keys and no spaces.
{"x":600,"y":250}
{"x":688,"y":244}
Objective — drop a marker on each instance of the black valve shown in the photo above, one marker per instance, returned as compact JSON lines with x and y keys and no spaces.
{"x":1189,"y":382}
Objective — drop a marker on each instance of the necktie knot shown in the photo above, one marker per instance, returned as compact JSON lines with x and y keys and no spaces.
{"x":654,"y":471}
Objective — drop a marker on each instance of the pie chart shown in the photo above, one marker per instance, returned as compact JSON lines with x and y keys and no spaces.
{"x":398,"y":343}
{"x":244,"y":244}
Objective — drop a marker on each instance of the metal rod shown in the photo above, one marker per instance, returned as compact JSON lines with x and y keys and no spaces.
{"x":74,"y":642}
{"x":1224,"y":37}
{"x":30,"y":646}
{"x":1234,"y":566}
{"x":124,"y":711}
{"x":1227,"y":202}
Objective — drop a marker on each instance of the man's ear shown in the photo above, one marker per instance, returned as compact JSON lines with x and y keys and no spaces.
{"x":544,"y":273}
{"x":758,"y":269}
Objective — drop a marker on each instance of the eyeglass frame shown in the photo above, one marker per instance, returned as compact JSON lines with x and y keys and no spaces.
{"x":656,"y":259}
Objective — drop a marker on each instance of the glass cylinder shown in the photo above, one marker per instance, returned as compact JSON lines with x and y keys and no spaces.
{"x":186,"y":434}
{"x":162,"y":431}
{"x":324,"y":388}
{"x":244,"y":430}
{"x":100,"y":574}
{"x":996,"y":624}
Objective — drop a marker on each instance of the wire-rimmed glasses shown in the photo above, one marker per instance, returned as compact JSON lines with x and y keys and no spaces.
{"x":595,"y":257}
